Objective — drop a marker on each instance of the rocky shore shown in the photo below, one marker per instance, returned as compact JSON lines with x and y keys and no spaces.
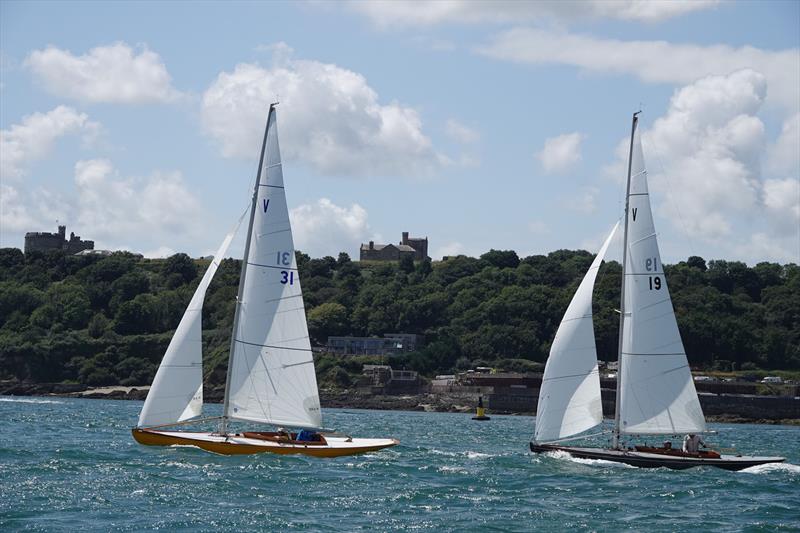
{"x":351,"y":399}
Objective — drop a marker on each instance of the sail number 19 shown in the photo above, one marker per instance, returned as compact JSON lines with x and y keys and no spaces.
{"x":655,"y":283}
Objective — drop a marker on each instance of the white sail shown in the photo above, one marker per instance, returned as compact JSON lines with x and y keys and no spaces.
{"x":271,"y":375}
{"x":177,"y":390}
{"x":569,"y":398}
{"x":657,"y":394}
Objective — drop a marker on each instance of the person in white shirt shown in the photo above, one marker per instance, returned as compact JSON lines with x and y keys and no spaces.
{"x":692,"y":443}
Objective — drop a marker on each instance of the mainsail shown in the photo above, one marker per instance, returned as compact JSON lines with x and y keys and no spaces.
{"x":271,"y":375}
{"x":569,"y":398}
{"x":657,"y":394}
{"x":177,"y":390}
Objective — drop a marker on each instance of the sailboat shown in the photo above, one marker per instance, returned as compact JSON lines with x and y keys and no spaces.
{"x":655,"y":391}
{"x":270,"y":378}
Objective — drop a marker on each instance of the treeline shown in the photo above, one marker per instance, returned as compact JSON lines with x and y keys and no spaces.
{"x":106,"y":320}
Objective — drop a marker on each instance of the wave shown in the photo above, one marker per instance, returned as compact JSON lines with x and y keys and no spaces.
{"x":29,"y":400}
{"x":562,"y":455}
{"x":772,"y":467}
{"x":468,"y":454}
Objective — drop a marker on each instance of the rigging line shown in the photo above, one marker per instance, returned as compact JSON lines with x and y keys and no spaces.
{"x":648,"y":354}
{"x":640,"y":239}
{"x":271,"y":266}
{"x":593,"y":371}
{"x":286,"y":230}
{"x":565,"y":319}
{"x":275,"y":347}
{"x":673,"y":203}
{"x":311,"y":361}
{"x":579,"y":437}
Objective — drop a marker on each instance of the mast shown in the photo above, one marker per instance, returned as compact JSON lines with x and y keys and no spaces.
{"x":223,"y":427}
{"x":615,"y":439}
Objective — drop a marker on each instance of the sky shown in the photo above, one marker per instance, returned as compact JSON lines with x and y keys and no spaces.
{"x":477,"y":124}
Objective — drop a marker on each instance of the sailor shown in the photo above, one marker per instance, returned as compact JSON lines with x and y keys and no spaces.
{"x":692,"y":443}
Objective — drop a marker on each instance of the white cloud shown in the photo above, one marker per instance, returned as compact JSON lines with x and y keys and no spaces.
{"x":401,"y":13}
{"x":784,"y":155}
{"x":160,"y":253}
{"x":33,"y":138}
{"x":113,"y":208}
{"x":330,"y":118}
{"x":782,"y":200}
{"x":650,"y":61}
{"x":461,"y":133}
{"x":561,"y":153}
{"x":709,"y":140}
{"x":14,"y":216}
{"x":584,"y":201}
{"x":115,"y":74}
{"x":709,"y":143}
{"x":324,"y":228}
{"x":763,"y":247}
{"x":450,"y":249}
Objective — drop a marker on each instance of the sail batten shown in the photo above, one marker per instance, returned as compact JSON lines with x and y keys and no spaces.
{"x":569,"y":397}
{"x":657,"y":394}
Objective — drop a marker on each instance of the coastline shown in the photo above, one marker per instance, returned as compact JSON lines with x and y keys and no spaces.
{"x":344,"y":399}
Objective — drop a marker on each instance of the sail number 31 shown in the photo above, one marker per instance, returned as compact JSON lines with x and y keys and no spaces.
{"x":285,"y":259}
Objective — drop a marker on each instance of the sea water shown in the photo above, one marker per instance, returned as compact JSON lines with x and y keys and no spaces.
{"x":72,"y":465}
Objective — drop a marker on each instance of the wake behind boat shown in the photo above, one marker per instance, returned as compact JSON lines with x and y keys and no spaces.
{"x":655,"y":389}
{"x":271,"y":377}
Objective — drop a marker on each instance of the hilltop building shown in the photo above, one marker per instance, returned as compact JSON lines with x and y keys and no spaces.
{"x":415,"y":247}
{"x":37,"y":241}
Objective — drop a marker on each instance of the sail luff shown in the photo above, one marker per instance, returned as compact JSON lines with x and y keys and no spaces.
{"x":569,"y":398}
{"x":615,"y":437}
{"x":242,"y":274}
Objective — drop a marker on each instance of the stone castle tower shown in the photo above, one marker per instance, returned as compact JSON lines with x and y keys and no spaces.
{"x":38,"y":241}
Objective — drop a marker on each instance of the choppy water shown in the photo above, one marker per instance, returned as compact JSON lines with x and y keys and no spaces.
{"x":69,"y":465}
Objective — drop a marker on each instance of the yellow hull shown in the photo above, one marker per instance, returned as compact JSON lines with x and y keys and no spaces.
{"x":237,"y":445}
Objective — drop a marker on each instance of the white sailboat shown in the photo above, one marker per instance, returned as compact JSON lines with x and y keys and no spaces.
{"x":271,"y":378}
{"x":655,"y":389}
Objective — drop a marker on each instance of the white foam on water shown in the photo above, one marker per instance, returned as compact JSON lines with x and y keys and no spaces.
{"x":479,"y":455}
{"x":560,"y":454}
{"x":453,"y":469}
{"x":772,"y":467}
{"x":467,"y":454}
{"x":178,"y":464}
{"x":29,"y":400}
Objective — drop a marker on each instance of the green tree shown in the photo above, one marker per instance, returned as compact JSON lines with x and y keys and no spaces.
{"x":325,"y":320}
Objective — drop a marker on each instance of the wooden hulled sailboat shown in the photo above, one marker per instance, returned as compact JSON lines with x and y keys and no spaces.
{"x":655,"y":389}
{"x":271,"y":377}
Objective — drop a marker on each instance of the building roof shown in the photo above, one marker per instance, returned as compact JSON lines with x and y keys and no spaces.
{"x":401,"y":247}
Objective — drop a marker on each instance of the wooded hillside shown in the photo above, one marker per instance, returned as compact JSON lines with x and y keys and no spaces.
{"x":107,"y":320}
